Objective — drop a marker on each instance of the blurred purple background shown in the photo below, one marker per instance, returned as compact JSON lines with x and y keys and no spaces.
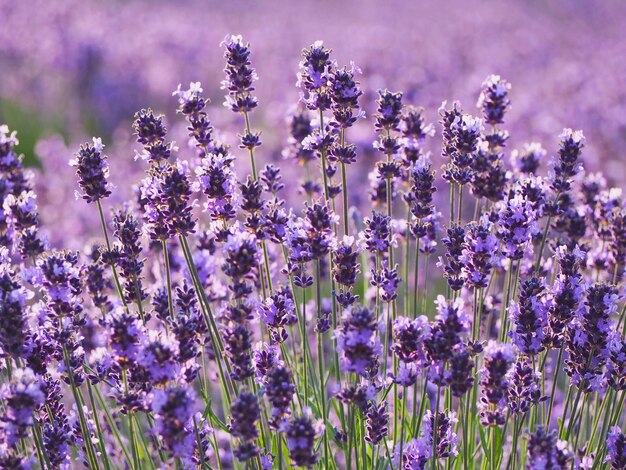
{"x":75,"y":68}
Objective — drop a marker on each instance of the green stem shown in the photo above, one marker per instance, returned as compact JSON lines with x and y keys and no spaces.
{"x":168,"y":278}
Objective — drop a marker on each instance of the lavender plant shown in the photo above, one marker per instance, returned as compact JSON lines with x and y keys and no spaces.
{"x":219,"y":323}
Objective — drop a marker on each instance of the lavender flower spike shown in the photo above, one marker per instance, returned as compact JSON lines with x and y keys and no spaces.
{"x":92,"y":170}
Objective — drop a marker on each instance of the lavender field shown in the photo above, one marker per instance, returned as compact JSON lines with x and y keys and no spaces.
{"x":330,"y":235}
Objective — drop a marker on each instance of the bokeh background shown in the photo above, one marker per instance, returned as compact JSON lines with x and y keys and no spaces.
{"x":70,"y":69}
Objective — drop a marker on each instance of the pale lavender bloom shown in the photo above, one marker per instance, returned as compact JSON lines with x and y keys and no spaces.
{"x":173,"y":408}
{"x":357,"y":342}
{"x":158,"y":356}
{"x":515,"y":227}
{"x":21,"y":398}
{"x":616,"y":445}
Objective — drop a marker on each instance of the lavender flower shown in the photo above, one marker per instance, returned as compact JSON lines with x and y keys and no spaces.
{"x":461,"y":138}
{"x":150,"y":132}
{"x":245,"y":412}
{"x":192,"y":105}
{"x":216,"y":179}
{"x":494,"y":100}
{"x":345,"y":262}
{"x":516,"y":224}
{"x":125,"y":336}
{"x":265,"y":358}
{"x":158,"y":357}
{"x":479,"y":253}
{"x":173,"y":408}
{"x":319,"y":222}
{"x":591,"y":338}
{"x":545,"y":450}
{"x":568,"y":164}
{"x":415,"y":455}
{"x":13,"y":300}
{"x":529,"y":316}
{"x":278,"y":311}
{"x":616,"y":445}
{"x":495,"y":383}
{"x":92,"y":170}
{"x":420,"y":195}
{"x":21,"y":398}
{"x":409,"y":336}
{"x":376,"y":235}
{"x":451,"y":323}
{"x":460,"y":365}
{"x":238,"y":348}
{"x":96,"y":282}
{"x":567,"y":293}
{"x":302,"y":432}
{"x":242,"y":255}
{"x":127,"y":232}
{"x":300,"y":127}
{"x":444,"y":437}
{"x":175,"y":193}
{"x":386,"y":281}
{"x":22,"y":218}
{"x":345,"y":93}
{"x":524,"y":388}
{"x":188,"y":326}
{"x":240,"y":76}
{"x":357,"y":342}
{"x":528,"y":159}
{"x":377,"y":420}
{"x":389,"y":108}
{"x":414,"y":132}
{"x":453,"y":264}
{"x":617,"y":367}
{"x":314,"y":77}
{"x":279,"y":389}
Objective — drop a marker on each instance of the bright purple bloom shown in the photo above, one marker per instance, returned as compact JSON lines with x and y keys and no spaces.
{"x":377,"y":233}
{"x":173,"y":409}
{"x":386,"y":281}
{"x":616,"y":445}
{"x":591,"y":338}
{"x":524,"y":390}
{"x":357,"y":342}
{"x":567,"y":293}
{"x":515,"y":226}
{"x":409,"y":336}
{"x":21,"y":398}
{"x":157,"y":356}
{"x":479,"y":254}
{"x":279,"y":389}
{"x":529,"y":317}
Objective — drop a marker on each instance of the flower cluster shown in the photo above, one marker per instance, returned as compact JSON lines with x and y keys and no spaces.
{"x":230,"y":319}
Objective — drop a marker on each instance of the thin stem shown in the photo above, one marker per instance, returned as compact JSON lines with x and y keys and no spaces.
{"x":168,"y":279}
{"x":116,"y":279}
